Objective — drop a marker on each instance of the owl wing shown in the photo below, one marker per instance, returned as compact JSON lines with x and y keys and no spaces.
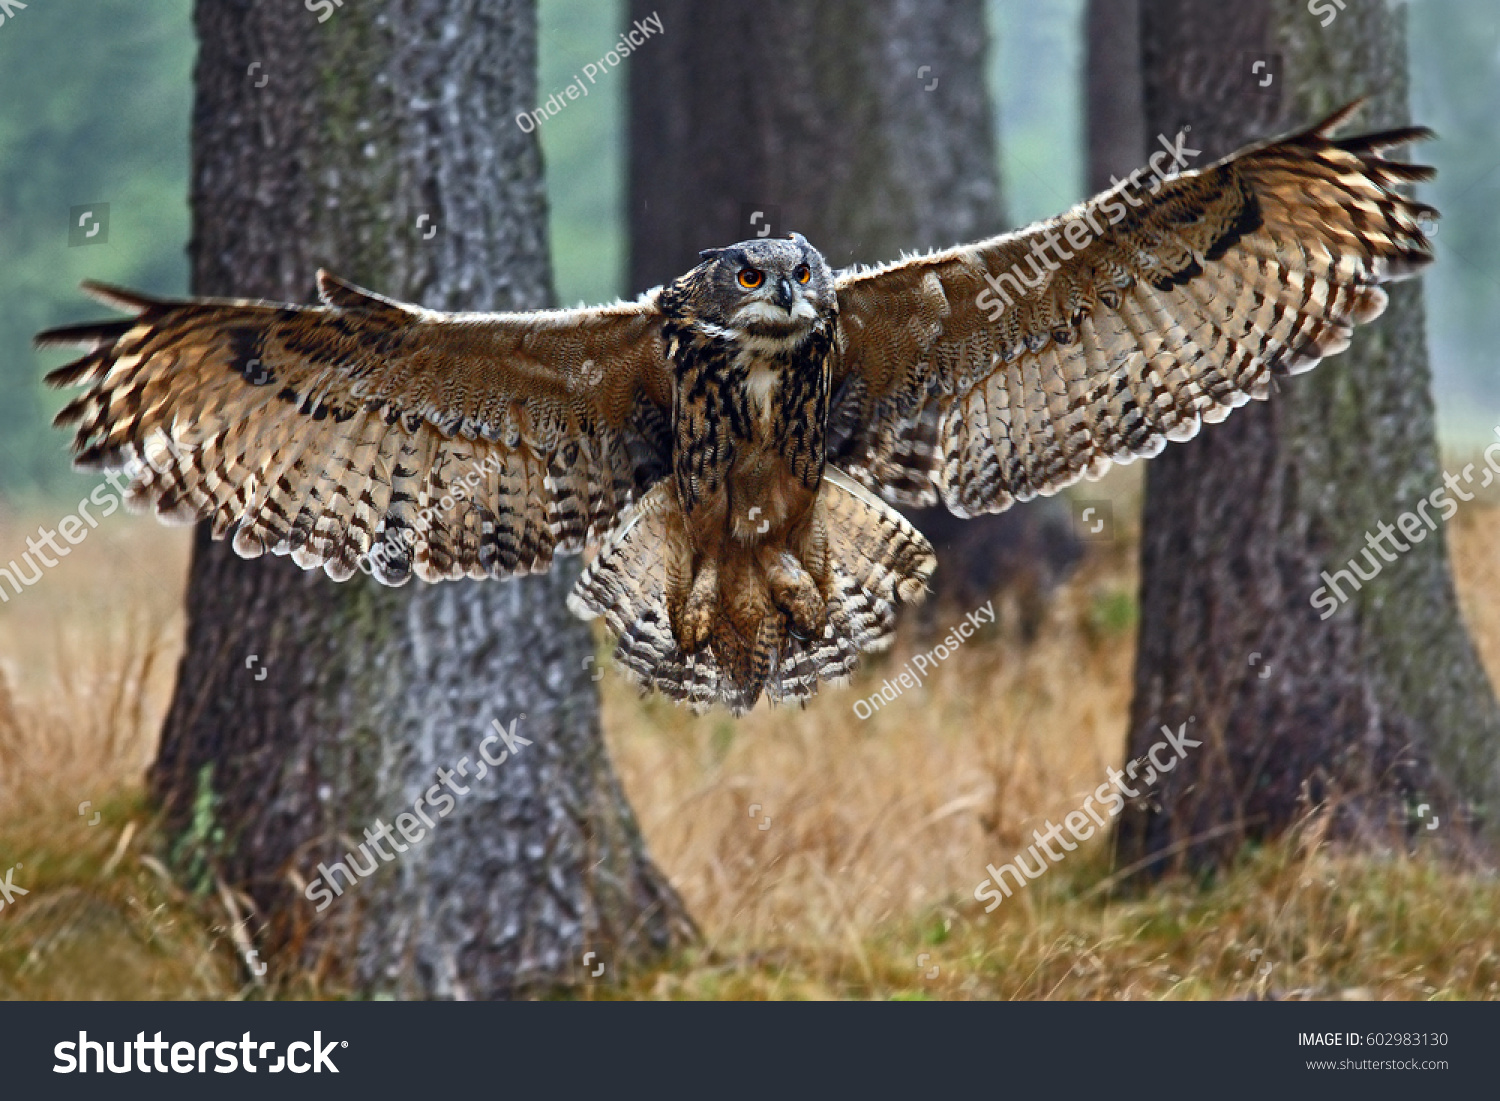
{"x":993,"y":372}
{"x":367,"y":431}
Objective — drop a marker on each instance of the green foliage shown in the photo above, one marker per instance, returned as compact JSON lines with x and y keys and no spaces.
{"x":722,"y":740}
{"x":195,"y":851}
{"x":1112,"y":613}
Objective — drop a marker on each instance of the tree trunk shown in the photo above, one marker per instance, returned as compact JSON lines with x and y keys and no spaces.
{"x":865,"y":127}
{"x":379,"y":140}
{"x":1114,"y":110}
{"x":1383,"y":705}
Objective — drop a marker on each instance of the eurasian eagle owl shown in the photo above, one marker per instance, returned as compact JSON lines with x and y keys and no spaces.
{"x":726,"y":440}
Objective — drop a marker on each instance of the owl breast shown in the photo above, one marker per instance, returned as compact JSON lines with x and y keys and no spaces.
{"x":762,"y":391}
{"x":771,"y":483}
{"x":749,"y":427}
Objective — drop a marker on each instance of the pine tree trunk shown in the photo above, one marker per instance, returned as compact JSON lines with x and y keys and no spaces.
{"x":865,"y":127}
{"x":378,"y":140}
{"x":1383,"y":705}
{"x":1114,"y":112}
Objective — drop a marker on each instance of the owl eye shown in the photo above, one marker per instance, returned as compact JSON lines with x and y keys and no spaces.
{"x":801,"y":274}
{"x":750,"y":278}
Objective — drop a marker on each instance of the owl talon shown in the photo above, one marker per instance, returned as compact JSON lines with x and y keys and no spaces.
{"x":796,"y":595}
{"x":698,"y":614}
{"x":806,"y":618}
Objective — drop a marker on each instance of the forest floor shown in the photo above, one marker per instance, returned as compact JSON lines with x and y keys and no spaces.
{"x":822,"y":855}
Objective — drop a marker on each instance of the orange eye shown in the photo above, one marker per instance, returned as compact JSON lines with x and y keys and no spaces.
{"x":750,"y":278}
{"x":802,"y":275}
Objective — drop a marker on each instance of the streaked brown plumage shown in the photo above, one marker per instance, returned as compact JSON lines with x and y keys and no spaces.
{"x":694,"y":433}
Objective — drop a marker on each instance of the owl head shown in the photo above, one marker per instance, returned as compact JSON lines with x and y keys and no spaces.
{"x":767,"y":287}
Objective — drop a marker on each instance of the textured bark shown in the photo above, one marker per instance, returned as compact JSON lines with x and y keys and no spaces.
{"x":1383,"y":705}
{"x":364,"y":123}
{"x":819,"y":116}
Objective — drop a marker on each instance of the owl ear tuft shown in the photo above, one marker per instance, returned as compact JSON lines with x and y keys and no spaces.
{"x":710,"y":253}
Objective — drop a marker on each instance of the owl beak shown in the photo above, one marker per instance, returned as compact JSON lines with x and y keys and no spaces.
{"x":783,"y":296}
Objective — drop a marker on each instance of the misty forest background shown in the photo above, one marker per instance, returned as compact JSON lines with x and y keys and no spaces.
{"x":863,"y":886}
{"x":116,"y":131}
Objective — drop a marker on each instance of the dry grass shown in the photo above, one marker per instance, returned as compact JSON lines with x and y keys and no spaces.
{"x":87,"y":658}
{"x":874,"y":821}
{"x":878,"y":830}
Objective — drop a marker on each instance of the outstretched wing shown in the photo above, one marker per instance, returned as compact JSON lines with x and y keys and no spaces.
{"x":369,"y":431}
{"x":993,"y":372}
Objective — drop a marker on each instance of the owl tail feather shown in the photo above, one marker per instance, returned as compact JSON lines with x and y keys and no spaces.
{"x":875,"y":561}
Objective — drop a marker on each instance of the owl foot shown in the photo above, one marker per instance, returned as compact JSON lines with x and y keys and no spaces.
{"x":699,"y":612}
{"x":795,"y":593}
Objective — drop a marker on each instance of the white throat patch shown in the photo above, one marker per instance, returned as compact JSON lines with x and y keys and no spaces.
{"x":761,"y":381}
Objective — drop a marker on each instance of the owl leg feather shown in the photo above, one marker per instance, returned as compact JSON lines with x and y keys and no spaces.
{"x":694,"y":622}
{"x":777,"y":619}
